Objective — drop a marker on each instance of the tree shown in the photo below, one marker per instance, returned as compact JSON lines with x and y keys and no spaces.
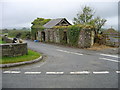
{"x":85,"y":16}
{"x":24,"y":28}
{"x":14,"y":28}
{"x":97,"y":23}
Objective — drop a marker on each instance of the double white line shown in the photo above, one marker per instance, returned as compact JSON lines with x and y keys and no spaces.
{"x":114,"y":56}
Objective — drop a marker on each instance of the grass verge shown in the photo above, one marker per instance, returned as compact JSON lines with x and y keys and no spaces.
{"x":30,"y":56}
{"x":2,"y":42}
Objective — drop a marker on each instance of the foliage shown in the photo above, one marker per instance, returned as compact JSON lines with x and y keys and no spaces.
{"x":98,"y":23}
{"x":38,"y":25}
{"x":73,"y":35}
{"x":1,"y":42}
{"x":24,"y":34}
{"x":87,"y":18}
{"x":40,"y":21}
{"x":72,"y":32}
{"x":31,"y":56}
{"x":4,"y":31}
{"x":78,"y":25}
{"x":61,"y":33}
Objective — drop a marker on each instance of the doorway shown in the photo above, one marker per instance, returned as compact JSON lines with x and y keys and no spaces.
{"x":43,"y":36}
{"x":65,"y":37}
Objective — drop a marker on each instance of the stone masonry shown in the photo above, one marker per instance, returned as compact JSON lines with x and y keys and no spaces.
{"x":13,"y":49}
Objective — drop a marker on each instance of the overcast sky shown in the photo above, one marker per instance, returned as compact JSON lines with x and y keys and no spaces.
{"x":20,"y":13}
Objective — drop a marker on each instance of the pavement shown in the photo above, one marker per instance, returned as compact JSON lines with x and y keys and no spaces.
{"x":65,"y":67}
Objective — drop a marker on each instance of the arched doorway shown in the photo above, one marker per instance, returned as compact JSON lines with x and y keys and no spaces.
{"x":43,"y":36}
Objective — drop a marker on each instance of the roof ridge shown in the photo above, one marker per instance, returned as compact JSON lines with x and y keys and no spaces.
{"x":53,"y":22}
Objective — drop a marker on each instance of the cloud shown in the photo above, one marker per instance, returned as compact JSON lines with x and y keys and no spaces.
{"x":19,"y":13}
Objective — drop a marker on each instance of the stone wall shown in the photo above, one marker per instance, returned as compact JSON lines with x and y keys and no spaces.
{"x":14,"y":49}
{"x":86,"y":37}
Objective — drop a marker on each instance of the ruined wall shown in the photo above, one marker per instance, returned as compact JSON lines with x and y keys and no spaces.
{"x":84,"y":38}
{"x":14,"y":49}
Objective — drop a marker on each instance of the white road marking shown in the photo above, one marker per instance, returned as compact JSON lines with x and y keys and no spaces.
{"x":32,"y":73}
{"x":54,"y":72}
{"x":14,"y":72}
{"x":80,"y":72}
{"x":116,"y":56}
{"x":7,"y":72}
{"x":60,"y":73}
{"x":100,"y":72}
{"x":117,"y":71}
{"x":109,"y":60}
{"x":68,"y":52}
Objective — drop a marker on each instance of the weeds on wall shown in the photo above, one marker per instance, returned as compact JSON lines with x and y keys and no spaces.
{"x":34,"y":32}
{"x":73,"y":35}
{"x":37,"y":25}
{"x":70,"y":34}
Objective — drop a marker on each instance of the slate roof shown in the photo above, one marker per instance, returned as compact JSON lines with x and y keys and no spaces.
{"x":53,"y":22}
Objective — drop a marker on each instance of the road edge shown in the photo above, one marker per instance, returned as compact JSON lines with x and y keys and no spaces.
{"x":21,"y":63}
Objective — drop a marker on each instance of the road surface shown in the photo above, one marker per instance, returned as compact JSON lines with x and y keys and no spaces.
{"x":64,"y":67}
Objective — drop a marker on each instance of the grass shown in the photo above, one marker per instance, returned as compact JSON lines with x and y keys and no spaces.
{"x":2,"y":42}
{"x":30,"y":56}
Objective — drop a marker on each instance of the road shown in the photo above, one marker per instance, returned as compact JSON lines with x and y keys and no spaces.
{"x":64,"y":67}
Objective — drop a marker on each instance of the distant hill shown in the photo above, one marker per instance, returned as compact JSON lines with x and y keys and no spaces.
{"x":110,"y":31}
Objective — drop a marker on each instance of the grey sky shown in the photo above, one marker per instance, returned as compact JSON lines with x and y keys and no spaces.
{"x":20,"y":13}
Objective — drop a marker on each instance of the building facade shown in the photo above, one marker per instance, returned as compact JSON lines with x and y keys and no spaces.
{"x":55,"y":35}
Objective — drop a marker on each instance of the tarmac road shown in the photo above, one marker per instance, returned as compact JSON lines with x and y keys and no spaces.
{"x":64,"y":67}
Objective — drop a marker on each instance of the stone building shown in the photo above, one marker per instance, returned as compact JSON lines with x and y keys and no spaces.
{"x":48,"y":33}
{"x":54,"y":35}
